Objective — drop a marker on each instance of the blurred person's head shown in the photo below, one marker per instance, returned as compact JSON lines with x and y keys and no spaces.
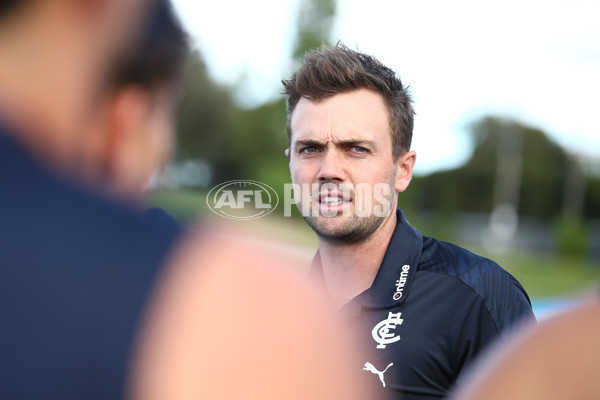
{"x":349,"y":125}
{"x":132,"y":131}
{"x":55,"y":60}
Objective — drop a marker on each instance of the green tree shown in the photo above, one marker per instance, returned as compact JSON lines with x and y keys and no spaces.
{"x":242,"y":143}
{"x":315,"y":21}
{"x":471,"y":187}
{"x":204,"y":118}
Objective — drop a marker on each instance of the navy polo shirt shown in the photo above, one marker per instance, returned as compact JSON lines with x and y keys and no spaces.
{"x":431,"y":309}
{"x":164,"y":220}
{"x":76,"y":272}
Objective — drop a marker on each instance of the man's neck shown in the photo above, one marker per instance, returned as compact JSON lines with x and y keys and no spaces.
{"x":350,"y":269}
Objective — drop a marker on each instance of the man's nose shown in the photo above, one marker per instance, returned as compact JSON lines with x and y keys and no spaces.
{"x":332,"y":167}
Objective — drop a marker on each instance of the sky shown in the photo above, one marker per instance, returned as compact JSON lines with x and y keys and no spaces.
{"x":535,"y":61}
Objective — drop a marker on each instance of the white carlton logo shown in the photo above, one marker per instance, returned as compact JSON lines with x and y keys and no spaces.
{"x":381,"y":332}
{"x":371,"y":368}
{"x":242,"y":199}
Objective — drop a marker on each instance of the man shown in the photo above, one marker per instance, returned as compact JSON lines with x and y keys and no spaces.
{"x":426,"y":307}
{"x":559,"y":359}
{"x":140,"y":99}
{"x":96,"y":300}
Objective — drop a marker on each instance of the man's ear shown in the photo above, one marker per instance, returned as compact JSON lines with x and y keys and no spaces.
{"x":287,"y":153}
{"x":404,"y":165}
{"x":126,"y":115}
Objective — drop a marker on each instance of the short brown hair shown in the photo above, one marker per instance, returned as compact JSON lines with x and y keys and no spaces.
{"x":328,"y":71}
{"x":159,"y":55}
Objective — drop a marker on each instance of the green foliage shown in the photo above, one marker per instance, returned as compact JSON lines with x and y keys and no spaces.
{"x":543,"y":175}
{"x":203,"y":117}
{"x":183,"y":205}
{"x":470,"y":188}
{"x":571,"y":236}
{"x":241,"y":143}
{"x":548,"y":275}
{"x":592,"y":198}
{"x":314,"y":25}
{"x":238,"y":143}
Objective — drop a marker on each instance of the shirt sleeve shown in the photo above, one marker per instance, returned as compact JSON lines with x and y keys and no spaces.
{"x":503,"y":296}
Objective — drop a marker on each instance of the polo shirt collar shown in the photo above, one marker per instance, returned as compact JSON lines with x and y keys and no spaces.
{"x":392,"y":283}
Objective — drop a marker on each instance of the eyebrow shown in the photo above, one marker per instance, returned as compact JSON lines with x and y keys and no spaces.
{"x":339,"y":143}
{"x":308,"y":143}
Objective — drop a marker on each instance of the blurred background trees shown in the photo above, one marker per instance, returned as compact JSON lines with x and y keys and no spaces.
{"x":225,"y":141}
{"x":543,"y":178}
{"x":520,"y":198}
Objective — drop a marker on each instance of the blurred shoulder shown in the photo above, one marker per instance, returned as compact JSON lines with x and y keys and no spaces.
{"x":232,"y":308}
{"x":557,"y":359}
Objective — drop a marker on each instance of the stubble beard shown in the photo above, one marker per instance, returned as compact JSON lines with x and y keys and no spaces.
{"x":348,"y":229}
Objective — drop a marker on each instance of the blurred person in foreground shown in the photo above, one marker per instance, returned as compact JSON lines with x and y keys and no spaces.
{"x":98,"y":302}
{"x":424,"y":308}
{"x":140,"y":98}
{"x":559,"y":359}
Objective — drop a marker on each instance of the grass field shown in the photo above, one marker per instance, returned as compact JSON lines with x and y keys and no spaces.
{"x":544,"y":276}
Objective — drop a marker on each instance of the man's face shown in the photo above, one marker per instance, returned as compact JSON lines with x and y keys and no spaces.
{"x":132,"y":136}
{"x":152,"y":140}
{"x":341,"y":159}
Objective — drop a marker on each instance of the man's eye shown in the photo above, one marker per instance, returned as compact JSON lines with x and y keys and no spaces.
{"x":309,"y":150}
{"x":359,"y":149}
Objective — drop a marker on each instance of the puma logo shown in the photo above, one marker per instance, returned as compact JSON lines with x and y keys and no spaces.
{"x":370,"y":367}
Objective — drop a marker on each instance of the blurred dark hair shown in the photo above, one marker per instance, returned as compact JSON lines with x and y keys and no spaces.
{"x":158,"y":57}
{"x":7,"y":7}
{"x":328,"y":71}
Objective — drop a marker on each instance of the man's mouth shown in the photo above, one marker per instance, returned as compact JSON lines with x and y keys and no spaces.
{"x":333,"y":199}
